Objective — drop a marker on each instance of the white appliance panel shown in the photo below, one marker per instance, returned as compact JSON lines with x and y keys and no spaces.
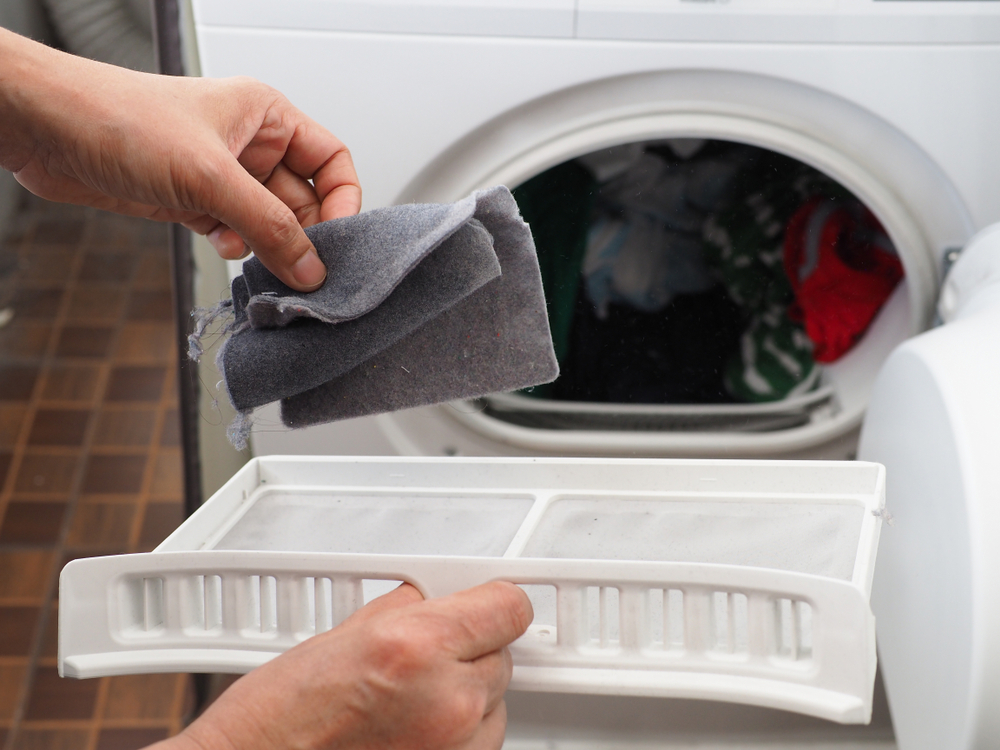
{"x":530,"y":18}
{"x":945,"y":111}
{"x":846,"y":21}
{"x":816,"y":21}
{"x":933,"y":422}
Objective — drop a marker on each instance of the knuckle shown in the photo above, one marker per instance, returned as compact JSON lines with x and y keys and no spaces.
{"x":464,"y":711}
{"x":250,"y":84}
{"x":248,"y":94}
{"x":214,"y":169}
{"x":198,"y":182}
{"x":265,"y":93}
{"x":399,"y":651}
{"x":345,"y":154}
{"x":456,"y":715}
{"x":278,"y":223}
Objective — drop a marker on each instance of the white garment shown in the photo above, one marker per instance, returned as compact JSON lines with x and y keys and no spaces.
{"x":638,"y":261}
{"x":646,"y":248}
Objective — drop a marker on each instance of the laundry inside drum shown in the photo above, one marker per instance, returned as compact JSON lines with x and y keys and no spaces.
{"x":712,"y":277}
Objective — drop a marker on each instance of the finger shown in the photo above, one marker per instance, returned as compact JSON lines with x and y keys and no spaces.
{"x":486,"y":618}
{"x":227,"y":243}
{"x":489,"y":734}
{"x":314,"y":153}
{"x":493,"y":671}
{"x":401,"y":596}
{"x":337,"y":185}
{"x":266,"y":224}
{"x":203,"y":224}
{"x":296,"y":193}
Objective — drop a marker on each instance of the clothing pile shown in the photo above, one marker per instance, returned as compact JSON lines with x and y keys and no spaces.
{"x":690,"y":271}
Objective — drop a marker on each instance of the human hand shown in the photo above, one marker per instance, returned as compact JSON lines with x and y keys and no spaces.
{"x":229,"y":158}
{"x":400,"y":674}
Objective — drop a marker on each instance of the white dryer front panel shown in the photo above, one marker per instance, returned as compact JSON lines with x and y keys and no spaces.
{"x":429,"y":117}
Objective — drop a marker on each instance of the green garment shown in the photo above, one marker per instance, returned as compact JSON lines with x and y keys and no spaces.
{"x":744,"y":244}
{"x":557,"y":204}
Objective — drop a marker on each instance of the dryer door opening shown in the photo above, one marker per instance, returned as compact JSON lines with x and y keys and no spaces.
{"x":879,"y":168}
{"x":703,"y":273}
{"x":703,"y":294}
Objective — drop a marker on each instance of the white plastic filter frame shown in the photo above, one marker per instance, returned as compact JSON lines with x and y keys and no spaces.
{"x":651,"y":627}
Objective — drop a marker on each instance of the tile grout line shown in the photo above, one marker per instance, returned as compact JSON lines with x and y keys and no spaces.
{"x":73,"y":496}
{"x":7,"y":490}
{"x":181,"y":687}
{"x":20,"y":450}
{"x":170,"y":399}
{"x":100,"y":705}
{"x":73,"y":493}
{"x":152,"y":455}
{"x":17,"y":452}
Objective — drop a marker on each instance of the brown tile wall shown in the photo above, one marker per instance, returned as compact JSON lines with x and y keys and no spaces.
{"x":89,"y":460}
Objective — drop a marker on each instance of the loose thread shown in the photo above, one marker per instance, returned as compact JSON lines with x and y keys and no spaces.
{"x":885,"y":515}
{"x":203,"y":318}
{"x":239,"y":429}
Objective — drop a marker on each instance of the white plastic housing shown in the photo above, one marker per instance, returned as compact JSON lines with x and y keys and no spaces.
{"x":933,"y":423}
{"x":725,"y":580}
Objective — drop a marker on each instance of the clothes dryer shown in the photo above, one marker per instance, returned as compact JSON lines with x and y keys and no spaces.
{"x":891,"y":100}
{"x":894,"y":102}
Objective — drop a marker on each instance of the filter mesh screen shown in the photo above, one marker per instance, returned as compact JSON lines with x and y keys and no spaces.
{"x":481,"y":526}
{"x":804,"y":538}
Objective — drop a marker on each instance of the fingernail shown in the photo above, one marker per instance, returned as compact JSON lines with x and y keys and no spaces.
{"x":309,"y":270}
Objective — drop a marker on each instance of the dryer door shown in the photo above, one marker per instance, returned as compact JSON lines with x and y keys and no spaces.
{"x":933,"y":422}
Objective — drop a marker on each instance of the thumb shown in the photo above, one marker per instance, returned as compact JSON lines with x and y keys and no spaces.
{"x":401,"y":596}
{"x":267,"y":226}
{"x":488,"y":617}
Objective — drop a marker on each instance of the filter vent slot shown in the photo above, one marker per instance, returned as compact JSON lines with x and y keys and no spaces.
{"x":666,"y":619}
{"x":261,"y":611}
{"x":204,"y":600}
{"x":731,"y":623}
{"x":603,"y":614}
{"x":793,"y":630}
{"x":141,"y":606}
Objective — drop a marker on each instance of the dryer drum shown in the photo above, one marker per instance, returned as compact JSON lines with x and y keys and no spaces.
{"x":697,"y":285}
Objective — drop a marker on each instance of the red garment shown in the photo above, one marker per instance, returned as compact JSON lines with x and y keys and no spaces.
{"x":841,"y":266}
